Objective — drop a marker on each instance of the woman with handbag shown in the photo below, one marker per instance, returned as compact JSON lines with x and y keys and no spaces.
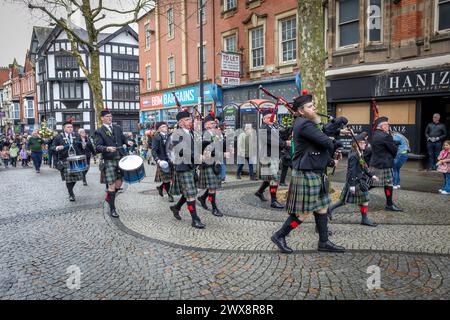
{"x":443,"y":166}
{"x":356,"y":188}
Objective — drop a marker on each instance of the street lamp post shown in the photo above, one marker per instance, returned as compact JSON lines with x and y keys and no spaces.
{"x":202,"y":107}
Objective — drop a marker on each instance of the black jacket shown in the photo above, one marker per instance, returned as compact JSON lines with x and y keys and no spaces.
{"x":182,"y":145}
{"x":436,"y":130}
{"x":159,"y":147}
{"x":89,"y":149}
{"x":103,"y":139}
{"x":384,"y":150}
{"x":356,"y":171}
{"x":61,"y":140}
{"x":266,"y":140}
{"x":313,"y":149}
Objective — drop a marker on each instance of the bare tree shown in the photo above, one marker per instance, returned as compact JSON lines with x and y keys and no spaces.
{"x":60,"y":12}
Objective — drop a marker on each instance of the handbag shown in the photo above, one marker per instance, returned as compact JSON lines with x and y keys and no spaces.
{"x":442,"y":168}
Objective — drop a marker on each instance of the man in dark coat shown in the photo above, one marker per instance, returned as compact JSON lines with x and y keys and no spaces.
{"x":384,"y":150}
{"x":66,"y":144}
{"x":164,"y":169}
{"x":308,"y":192}
{"x":435,"y":133}
{"x":110,"y":141}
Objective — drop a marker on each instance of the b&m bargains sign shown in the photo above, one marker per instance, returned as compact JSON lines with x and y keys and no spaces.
{"x":186,"y":96}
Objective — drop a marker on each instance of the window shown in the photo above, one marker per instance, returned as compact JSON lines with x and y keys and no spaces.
{"x":348,"y":22}
{"x":170,"y":24}
{"x":374,"y":20}
{"x":204,"y":62}
{"x":200,"y":4}
{"x":229,"y":4}
{"x":128,"y":65}
{"x":30,"y":109}
{"x":230,"y":43}
{"x":443,"y":14}
{"x":288,"y":29}
{"x":125,"y":91}
{"x":41,"y":66}
{"x":171,"y":68}
{"x":66,"y":62}
{"x":148,"y":73}
{"x":71,"y":90}
{"x":15,"y":114}
{"x":147,"y":36}
{"x":257,"y":47}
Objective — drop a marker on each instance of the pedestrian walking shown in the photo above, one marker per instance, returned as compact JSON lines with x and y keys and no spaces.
{"x":24,"y":155}
{"x":246,"y":151}
{"x":14,"y":153}
{"x":35,"y":144}
{"x":401,"y":157}
{"x":443,"y":166}
{"x":435,"y":133}
{"x":5,"y":156}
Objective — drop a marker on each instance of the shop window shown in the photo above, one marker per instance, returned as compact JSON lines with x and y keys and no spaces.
{"x":398,"y":112}
{"x":347,"y":23}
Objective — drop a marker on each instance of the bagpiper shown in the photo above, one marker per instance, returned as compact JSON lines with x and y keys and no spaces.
{"x":210,"y":170}
{"x":184,"y":184}
{"x":110,"y":141}
{"x":66,"y":144}
{"x":384,"y":150}
{"x":271,"y":163}
{"x":308,"y":190}
{"x":356,"y":188}
{"x":164,"y":170}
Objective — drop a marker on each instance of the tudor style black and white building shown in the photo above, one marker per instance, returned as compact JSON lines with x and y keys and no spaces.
{"x":62,"y":88}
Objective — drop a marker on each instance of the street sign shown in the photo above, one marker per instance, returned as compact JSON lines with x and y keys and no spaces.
{"x":231,"y":67}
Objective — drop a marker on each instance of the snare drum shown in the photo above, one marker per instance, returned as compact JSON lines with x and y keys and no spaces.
{"x":132,"y":168}
{"x":76,"y":164}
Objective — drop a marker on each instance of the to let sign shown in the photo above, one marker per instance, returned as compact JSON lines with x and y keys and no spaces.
{"x":230,"y":69}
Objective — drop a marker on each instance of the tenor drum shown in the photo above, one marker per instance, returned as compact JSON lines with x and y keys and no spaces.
{"x":132,"y":168}
{"x":76,"y":164}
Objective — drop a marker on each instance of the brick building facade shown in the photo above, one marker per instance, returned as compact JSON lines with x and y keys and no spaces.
{"x":394,"y":52}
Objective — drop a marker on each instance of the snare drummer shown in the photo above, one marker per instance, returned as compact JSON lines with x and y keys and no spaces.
{"x":62,"y":143}
{"x":110,"y":141}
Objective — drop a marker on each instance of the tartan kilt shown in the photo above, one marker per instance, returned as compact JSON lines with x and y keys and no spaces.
{"x":207,"y":179}
{"x":385,"y":175}
{"x":269,"y":171}
{"x":112,"y":171}
{"x":70,"y":177}
{"x":162,"y":176}
{"x":184,"y":184}
{"x":359,"y":196}
{"x":305,"y":194}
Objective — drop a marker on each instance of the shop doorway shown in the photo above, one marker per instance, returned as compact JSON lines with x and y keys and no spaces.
{"x":431,"y":106}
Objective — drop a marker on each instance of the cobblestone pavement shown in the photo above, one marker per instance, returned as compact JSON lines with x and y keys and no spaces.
{"x":148,"y":255}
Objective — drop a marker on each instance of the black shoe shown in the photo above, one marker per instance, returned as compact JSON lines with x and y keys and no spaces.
{"x":171,"y":198}
{"x":197,"y":224}
{"x":254,"y":178}
{"x":176,"y":212}
{"x":367,"y":222}
{"x":72,"y":198}
{"x":260,"y":196}
{"x":281,"y":243}
{"x":160,"y":191}
{"x":84,"y":183}
{"x":113,"y":213}
{"x":393,"y":208}
{"x":238,"y":177}
{"x":283,"y":184}
{"x":217,"y":212}
{"x":203,"y":202}
{"x":276,"y":205}
{"x":330,"y":247}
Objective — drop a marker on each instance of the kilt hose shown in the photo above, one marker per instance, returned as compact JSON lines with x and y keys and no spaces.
{"x":184,"y":184}
{"x":385,"y":175}
{"x":70,"y":177}
{"x":112,"y":171}
{"x":208,"y":179}
{"x":358,"y":197}
{"x":305,"y":193}
{"x":164,"y":177}
{"x":269,"y":171}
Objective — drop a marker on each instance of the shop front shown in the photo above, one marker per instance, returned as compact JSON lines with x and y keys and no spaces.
{"x":161,"y":106}
{"x":407,"y":98}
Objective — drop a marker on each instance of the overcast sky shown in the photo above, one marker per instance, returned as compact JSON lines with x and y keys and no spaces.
{"x":16,"y":25}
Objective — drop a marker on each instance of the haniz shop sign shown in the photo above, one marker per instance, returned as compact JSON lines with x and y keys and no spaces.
{"x":414,"y":82}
